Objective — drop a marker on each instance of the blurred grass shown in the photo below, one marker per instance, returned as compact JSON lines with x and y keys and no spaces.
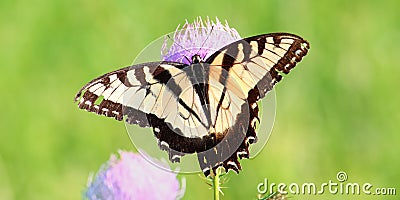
{"x":337,"y":111}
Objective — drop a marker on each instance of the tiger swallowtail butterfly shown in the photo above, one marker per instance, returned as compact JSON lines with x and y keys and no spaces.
{"x":208,"y":107}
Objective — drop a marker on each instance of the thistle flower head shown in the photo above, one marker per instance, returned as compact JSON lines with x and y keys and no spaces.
{"x":201,"y":38}
{"x":132,"y":177}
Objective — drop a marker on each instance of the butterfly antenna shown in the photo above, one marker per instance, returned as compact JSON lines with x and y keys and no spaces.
{"x":188,"y":59}
{"x":204,"y":42}
{"x":173,"y":42}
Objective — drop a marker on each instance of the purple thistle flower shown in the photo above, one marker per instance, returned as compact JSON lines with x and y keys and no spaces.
{"x":132,"y":177}
{"x":201,"y":38}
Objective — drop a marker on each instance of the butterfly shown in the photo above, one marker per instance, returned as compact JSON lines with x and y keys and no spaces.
{"x":208,"y":107}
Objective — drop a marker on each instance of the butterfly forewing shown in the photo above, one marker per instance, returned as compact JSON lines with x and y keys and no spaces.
{"x":259,"y":60}
{"x":131,"y":87}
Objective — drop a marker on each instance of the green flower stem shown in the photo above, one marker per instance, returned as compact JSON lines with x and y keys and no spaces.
{"x":216,"y":184}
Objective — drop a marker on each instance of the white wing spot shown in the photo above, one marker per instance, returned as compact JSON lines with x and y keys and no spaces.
{"x":232,"y":164}
{"x":176,"y":157}
{"x":304,"y":46}
{"x":250,"y":139}
{"x":254,"y":121}
{"x":206,"y":169}
{"x":115,"y":112}
{"x":164,"y":144}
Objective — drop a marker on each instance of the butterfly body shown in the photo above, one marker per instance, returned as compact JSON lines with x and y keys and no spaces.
{"x":207,"y":107}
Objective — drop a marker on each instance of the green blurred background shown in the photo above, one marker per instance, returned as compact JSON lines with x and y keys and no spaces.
{"x":337,"y":111}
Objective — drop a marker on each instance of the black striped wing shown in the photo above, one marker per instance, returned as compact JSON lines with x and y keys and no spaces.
{"x":258,"y":62}
{"x":150,"y":94}
{"x":167,"y":96}
{"x":208,"y":108}
{"x":248,"y":69}
{"x":131,"y":91}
